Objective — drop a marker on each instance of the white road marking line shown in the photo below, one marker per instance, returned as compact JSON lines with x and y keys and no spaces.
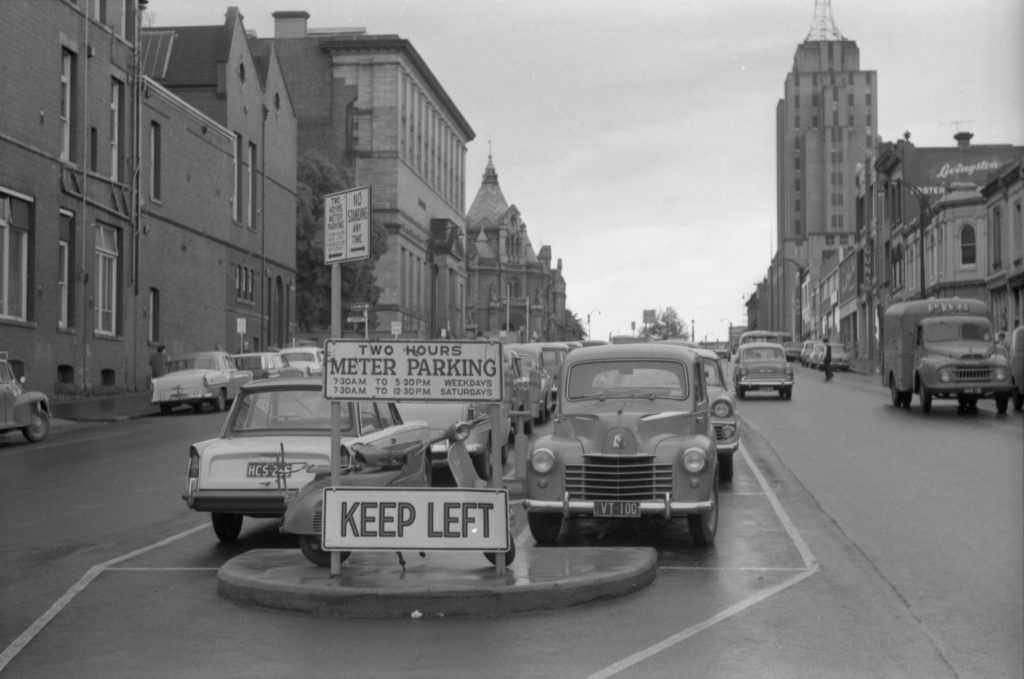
{"x":124,"y":569}
{"x":811,"y":567}
{"x":36,"y":627}
{"x":767,"y":569}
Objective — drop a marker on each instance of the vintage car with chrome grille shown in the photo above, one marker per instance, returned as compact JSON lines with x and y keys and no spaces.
{"x":762,"y":366}
{"x":723,"y":412}
{"x":197,"y":378}
{"x":28,"y":411}
{"x":277,"y":433}
{"x":633,"y":438}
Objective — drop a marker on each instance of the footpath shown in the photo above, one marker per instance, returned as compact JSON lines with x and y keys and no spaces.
{"x":113,"y":408}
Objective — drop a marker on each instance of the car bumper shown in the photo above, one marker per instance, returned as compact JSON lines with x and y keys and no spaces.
{"x":666,"y":508}
{"x":765,"y":383}
{"x":251,"y":502}
{"x":972,"y":390}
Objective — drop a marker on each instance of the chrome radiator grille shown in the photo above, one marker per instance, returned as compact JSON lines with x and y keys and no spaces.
{"x":973,"y":374}
{"x":610,"y":477}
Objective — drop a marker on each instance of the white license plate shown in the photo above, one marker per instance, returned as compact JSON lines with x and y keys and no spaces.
{"x":617,"y":509}
{"x":262,"y":470}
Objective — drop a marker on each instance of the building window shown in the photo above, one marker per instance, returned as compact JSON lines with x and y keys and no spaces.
{"x":107,"y":253}
{"x":99,"y":11}
{"x":251,"y":174}
{"x":14,"y":216}
{"x":67,"y":91}
{"x":154,"y":160}
{"x":997,"y":238}
{"x":968,"y":255}
{"x":1018,"y":232}
{"x":237,"y":200}
{"x":116,"y":128}
{"x":154,"y":315}
{"x":66,"y":270}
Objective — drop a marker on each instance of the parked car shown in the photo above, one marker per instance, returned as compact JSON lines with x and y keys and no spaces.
{"x":198,"y":378}
{"x":554,"y":354}
{"x":723,"y":412}
{"x":793,"y":350}
{"x":308,"y":360}
{"x":1017,"y":366}
{"x":762,"y":366}
{"x":441,"y":415}
{"x":840,"y":357}
{"x":805,"y":352}
{"x":633,"y":439}
{"x":277,"y":432}
{"x":541,"y":382}
{"x":262,"y":364}
{"x":817,"y":355}
{"x":27,"y":411}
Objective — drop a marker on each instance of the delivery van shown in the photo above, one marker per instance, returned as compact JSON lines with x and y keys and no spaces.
{"x":943,"y":348}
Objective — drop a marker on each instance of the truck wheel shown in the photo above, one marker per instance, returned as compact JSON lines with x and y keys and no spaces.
{"x":165,"y":408}
{"x":1002,"y":402}
{"x":226,"y":526}
{"x":893,"y":393}
{"x":926,"y":401}
{"x":38,"y":427}
{"x":310,"y":546}
{"x":1018,"y":400}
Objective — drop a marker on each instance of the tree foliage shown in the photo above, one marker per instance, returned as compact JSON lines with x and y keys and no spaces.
{"x":573,"y":326}
{"x":317,"y":177}
{"x":668,"y":326}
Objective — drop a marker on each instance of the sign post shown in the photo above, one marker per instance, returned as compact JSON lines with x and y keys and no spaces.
{"x":346,"y":239}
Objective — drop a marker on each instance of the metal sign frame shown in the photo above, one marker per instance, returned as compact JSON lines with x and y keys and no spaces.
{"x":347,"y":225}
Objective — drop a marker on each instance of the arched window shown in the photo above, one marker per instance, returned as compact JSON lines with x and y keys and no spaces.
{"x":968,"y":247}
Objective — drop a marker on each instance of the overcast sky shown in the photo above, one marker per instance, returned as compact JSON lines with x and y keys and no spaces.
{"x":637,"y":137}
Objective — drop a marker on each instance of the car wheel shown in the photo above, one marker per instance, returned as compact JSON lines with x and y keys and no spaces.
{"x":725,"y":468}
{"x":197,"y":407}
{"x":926,"y":400}
{"x":544,"y":527}
{"x":165,"y":408}
{"x":311,"y":549}
{"x":894,"y":393}
{"x":39,"y":426}
{"x":704,"y":527}
{"x":1002,"y":402}
{"x":220,"y":402}
{"x":226,"y":526}
{"x":1018,"y":400}
{"x":741,"y":393}
{"x":787,"y":393}
{"x":509,"y":555}
{"x":527,"y":426}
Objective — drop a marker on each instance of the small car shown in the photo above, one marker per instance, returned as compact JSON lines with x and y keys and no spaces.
{"x":198,"y":378}
{"x":441,"y":415}
{"x":531,"y":363}
{"x":805,"y":352}
{"x":840,"y":357}
{"x":817,"y":355}
{"x":793,"y":350}
{"x":309,"y":360}
{"x":262,"y":364}
{"x":762,"y":366}
{"x":28,"y":411}
{"x":633,"y":439}
{"x":723,"y":412}
{"x":274,"y":436}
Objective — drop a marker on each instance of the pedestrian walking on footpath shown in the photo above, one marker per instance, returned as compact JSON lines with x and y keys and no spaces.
{"x":158,"y":362}
{"x":827,"y":362}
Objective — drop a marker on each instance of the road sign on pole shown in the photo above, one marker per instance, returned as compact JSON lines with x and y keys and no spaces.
{"x":347,"y":225}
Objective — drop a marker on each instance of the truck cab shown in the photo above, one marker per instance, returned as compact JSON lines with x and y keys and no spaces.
{"x":943,"y":348}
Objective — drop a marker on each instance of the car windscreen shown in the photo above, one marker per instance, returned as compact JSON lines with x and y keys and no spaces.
{"x":287,"y":409}
{"x":192,"y":363}
{"x":957,"y":331}
{"x":763,"y":354}
{"x":299,"y":356}
{"x":628,"y":379}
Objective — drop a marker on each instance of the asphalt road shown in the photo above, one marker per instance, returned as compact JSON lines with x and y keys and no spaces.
{"x":856,"y":540}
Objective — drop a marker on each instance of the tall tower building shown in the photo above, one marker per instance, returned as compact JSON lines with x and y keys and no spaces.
{"x":826,"y":124}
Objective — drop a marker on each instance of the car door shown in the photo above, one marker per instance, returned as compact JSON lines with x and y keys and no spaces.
{"x":8,"y":394}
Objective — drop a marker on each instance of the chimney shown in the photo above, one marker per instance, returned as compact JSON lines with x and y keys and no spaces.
{"x":290,"y":24}
{"x":963,"y":139}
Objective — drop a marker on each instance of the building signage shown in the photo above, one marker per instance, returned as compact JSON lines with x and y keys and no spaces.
{"x":347,"y":225}
{"x":415,"y":519}
{"x":410,"y":370}
{"x":934,"y":170}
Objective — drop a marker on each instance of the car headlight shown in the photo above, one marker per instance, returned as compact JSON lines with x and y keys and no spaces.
{"x":728,"y":431}
{"x":694,"y":459}
{"x":945,"y":375}
{"x":722,"y":409}
{"x":542,"y":460}
{"x":1001,"y":374}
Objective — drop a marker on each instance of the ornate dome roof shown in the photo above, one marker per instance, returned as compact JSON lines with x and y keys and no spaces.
{"x":489,"y":206}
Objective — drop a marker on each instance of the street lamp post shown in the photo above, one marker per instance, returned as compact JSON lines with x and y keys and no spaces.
{"x":923,"y":221}
{"x":589,"y":313}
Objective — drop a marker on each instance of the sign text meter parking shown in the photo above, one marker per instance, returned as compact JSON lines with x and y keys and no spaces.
{"x":347,"y":225}
{"x":408,"y":370}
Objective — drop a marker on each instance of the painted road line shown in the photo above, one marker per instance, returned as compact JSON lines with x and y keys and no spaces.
{"x":810,"y":568}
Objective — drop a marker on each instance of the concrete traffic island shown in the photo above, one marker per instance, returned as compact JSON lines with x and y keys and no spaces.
{"x":438,"y":584}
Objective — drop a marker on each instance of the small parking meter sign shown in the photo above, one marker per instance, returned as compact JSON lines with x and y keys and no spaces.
{"x":347,"y":225}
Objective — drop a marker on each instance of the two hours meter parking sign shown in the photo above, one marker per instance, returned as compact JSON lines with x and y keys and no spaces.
{"x":409,"y":370}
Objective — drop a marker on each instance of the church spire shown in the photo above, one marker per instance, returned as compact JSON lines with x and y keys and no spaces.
{"x":490,"y":174}
{"x":823,"y":27}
